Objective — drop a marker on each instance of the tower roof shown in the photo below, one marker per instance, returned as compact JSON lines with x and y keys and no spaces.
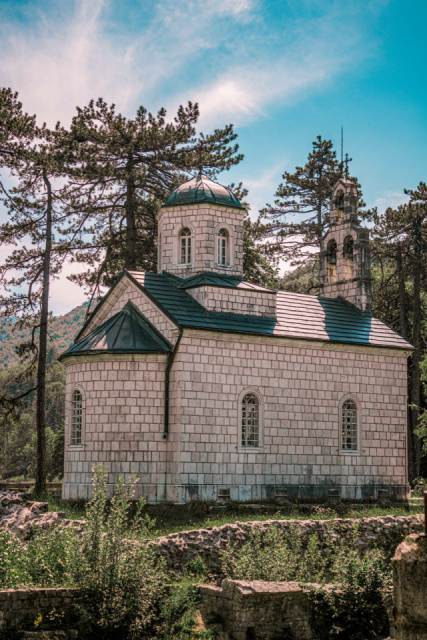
{"x":202,"y":189}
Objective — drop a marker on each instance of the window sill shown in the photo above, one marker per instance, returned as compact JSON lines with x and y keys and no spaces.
{"x":351,"y":453}
{"x":250,"y":449}
{"x":76,"y":447}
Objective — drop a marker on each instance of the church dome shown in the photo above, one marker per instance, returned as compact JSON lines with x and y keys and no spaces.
{"x":202,"y":189}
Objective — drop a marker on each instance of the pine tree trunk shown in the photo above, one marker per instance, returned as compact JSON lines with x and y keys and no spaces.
{"x":131,"y":257}
{"x":414,"y":448}
{"x":402,"y":294}
{"x":40,"y":485}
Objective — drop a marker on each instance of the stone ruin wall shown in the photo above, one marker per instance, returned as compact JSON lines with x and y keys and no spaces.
{"x":178,"y":549}
{"x":21,"y":607}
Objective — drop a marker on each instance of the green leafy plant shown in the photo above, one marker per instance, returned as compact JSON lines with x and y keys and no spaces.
{"x":349,"y":606}
{"x":122,"y":581}
{"x":420,"y":485}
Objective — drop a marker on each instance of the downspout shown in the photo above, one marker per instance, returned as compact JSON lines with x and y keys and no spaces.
{"x":171,"y":360}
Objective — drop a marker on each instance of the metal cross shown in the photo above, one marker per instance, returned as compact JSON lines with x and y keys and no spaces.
{"x":346,"y":161}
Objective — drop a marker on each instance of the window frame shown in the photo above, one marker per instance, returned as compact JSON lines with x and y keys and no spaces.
{"x":358,"y":450}
{"x":230,"y":246}
{"x":260,"y":447}
{"x":188,"y":251}
{"x":80,"y":445}
{"x":223,"y":237}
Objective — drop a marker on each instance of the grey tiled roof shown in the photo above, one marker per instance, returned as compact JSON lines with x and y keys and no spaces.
{"x":298,"y":316}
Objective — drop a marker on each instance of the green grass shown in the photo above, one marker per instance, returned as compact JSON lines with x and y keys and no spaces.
{"x":171,"y":518}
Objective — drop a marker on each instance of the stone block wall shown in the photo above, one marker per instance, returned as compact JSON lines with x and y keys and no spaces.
{"x":123,"y":422}
{"x":20,"y":607}
{"x":239,"y":300}
{"x":300,"y":386}
{"x":204,"y":221}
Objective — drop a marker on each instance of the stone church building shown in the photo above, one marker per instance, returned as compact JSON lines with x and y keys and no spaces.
{"x":201,"y":382}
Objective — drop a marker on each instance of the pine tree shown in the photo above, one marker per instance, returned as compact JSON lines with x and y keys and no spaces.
{"x":300,"y":214}
{"x":34,"y":158}
{"x":122,"y":171}
{"x":399,"y":248}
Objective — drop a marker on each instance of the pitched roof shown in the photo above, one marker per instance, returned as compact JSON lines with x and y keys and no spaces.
{"x":299,"y":316}
{"x":126,"y":332}
{"x":202,"y":189}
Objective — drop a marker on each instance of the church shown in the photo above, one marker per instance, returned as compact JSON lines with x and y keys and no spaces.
{"x":206,"y":385}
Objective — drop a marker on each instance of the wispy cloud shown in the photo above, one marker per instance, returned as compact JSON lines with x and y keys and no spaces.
{"x":391,"y":199}
{"x":221,"y":53}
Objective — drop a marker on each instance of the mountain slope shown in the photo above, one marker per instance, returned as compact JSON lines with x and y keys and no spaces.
{"x":62,"y":331}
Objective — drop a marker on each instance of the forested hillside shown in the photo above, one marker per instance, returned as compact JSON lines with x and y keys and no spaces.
{"x":62,"y":331}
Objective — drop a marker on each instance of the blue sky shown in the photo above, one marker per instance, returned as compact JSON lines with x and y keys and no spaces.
{"x":281,"y":72}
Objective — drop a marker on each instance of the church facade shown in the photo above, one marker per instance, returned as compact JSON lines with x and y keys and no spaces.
{"x":200,"y":382}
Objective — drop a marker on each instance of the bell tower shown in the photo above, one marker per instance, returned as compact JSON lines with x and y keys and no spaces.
{"x":345,"y":266}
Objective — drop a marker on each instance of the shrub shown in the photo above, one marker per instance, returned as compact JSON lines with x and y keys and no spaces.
{"x":179,"y":615}
{"x":122,"y":582}
{"x":46,"y":559}
{"x":352,"y":609}
{"x":420,"y":485}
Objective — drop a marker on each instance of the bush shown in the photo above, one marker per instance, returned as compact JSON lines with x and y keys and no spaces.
{"x":420,"y":485}
{"x":122,"y":582}
{"x":352,"y":609}
{"x":46,"y":559}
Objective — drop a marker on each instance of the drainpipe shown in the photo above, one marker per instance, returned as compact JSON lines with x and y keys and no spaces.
{"x":171,"y":359}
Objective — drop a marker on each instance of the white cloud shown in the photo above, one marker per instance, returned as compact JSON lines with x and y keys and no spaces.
{"x":390,"y":199}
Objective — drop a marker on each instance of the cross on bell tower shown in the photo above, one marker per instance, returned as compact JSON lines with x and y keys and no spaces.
{"x":346,"y":162}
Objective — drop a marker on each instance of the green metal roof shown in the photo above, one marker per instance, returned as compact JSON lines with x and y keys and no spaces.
{"x":219,"y":280}
{"x":125,"y":332}
{"x":299,"y":316}
{"x":201,"y":189}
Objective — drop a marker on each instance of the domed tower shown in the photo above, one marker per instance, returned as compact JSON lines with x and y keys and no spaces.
{"x":345,"y":265}
{"x":200,"y":229}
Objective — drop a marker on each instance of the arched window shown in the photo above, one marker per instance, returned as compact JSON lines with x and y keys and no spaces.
{"x":349,"y":425}
{"x":331,"y":257}
{"x":348,"y":257}
{"x":76,"y":417}
{"x":250,"y":421}
{"x":185,"y":246}
{"x":223,"y":244}
{"x":340,"y":204}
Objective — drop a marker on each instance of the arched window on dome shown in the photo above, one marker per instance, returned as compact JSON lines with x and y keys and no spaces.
{"x":76,"y":417}
{"x":185,"y":246}
{"x":331,"y":257}
{"x":223,"y":248}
